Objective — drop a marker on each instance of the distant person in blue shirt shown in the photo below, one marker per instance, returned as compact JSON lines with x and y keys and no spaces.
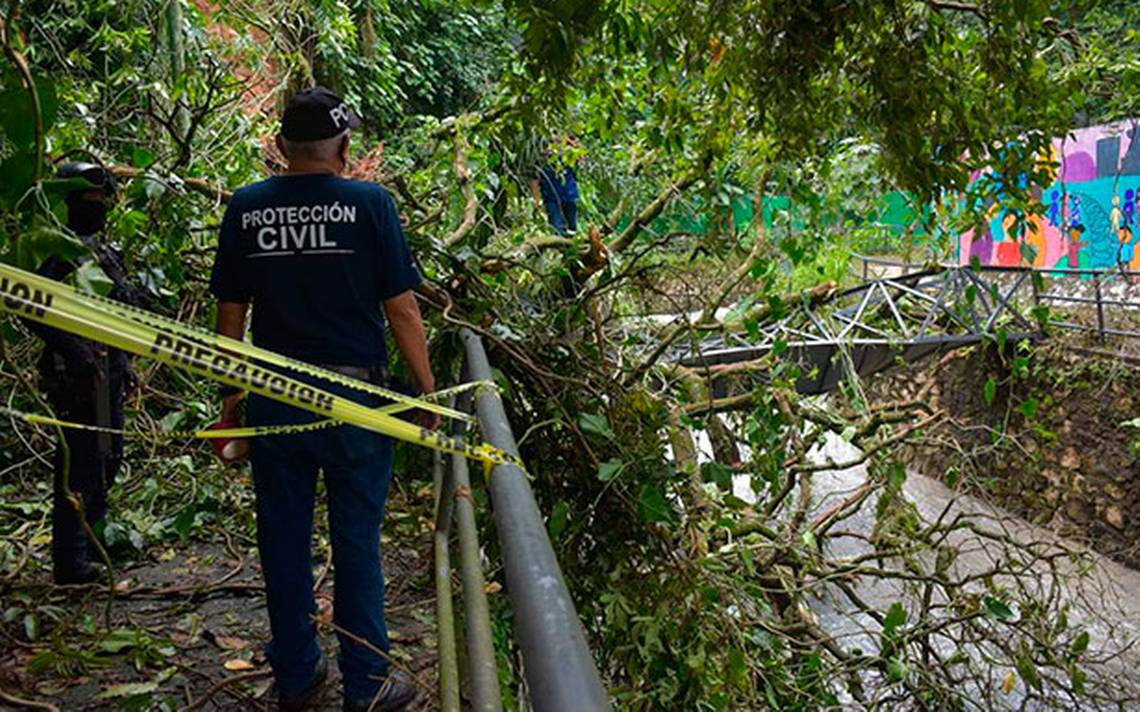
{"x":322,"y":260}
{"x":555,"y":188}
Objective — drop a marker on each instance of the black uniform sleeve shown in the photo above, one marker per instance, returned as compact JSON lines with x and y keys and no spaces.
{"x":77,"y":352}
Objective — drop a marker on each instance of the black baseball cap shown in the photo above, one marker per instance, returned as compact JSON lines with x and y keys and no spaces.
{"x":315,"y":114}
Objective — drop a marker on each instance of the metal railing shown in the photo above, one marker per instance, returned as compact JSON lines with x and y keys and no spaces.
{"x":1100,"y":279}
{"x":561,"y":674}
{"x":453,"y":501}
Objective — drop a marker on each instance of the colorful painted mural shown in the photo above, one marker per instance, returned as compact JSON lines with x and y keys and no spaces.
{"x":1090,"y":213}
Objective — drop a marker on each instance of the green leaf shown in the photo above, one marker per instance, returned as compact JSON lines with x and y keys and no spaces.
{"x":1078,"y":677}
{"x":596,"y":425}
{"x":32,"y":626}
{"x":610,"y":469}
{"x":45,"y":241}
{"x":1021,"y":366}
{"x":896,"y":618}
{"x":719,"y":473}
{"x":130,"y":689}
{"x":653,"y":507}
{"x":49,"y":101}
{"x":990,"y":391}
{"x":91,"y":278}
{"x":17,"y":113}
{"x":119,"y":640}
{"x":1029,"y":408}
{"x":184,"y":523}
{"x":1081,"y":644}
{"x":114,"y":534}
{"x":142,"y":158}
{"x":153,"y":189}
{"x":558,"y":518}
{"x":1028,"y":670}
{"x":897,"y":669}
{"x":16,"y":172}
{"x":738,"y":669}
{"x":1028,"y":252}
{"x":998,"y":608}
{"x":735,"y":503}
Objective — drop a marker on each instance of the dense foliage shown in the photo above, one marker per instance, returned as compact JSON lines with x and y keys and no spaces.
{"x":733,"y":154}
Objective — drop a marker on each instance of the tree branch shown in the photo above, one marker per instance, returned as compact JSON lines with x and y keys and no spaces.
{"x":198,"y":185}
{"x":651,"y":211}
{"x":953,"y":5}
{"x":463,"y":175}
{"x":21,"y":63}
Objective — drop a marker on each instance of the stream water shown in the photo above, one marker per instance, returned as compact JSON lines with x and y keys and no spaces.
{"x":1100,"y":596}
{"x":1101,"y":593}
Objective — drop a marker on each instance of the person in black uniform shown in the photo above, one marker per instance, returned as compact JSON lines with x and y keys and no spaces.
{"x":84,"y":382}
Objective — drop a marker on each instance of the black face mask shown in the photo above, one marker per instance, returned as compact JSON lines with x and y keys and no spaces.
{"x":86,"y":217}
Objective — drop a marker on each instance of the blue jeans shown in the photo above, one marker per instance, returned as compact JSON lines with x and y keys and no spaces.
{"x":357,"y":466}
{"x":563,"y":214}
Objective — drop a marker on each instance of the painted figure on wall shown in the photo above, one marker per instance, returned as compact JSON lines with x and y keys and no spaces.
{"x":1075,"y":246}
{"x":1128,"y":257}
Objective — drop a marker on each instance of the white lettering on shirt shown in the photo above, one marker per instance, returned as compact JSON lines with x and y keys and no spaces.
{"x":292,"y":229}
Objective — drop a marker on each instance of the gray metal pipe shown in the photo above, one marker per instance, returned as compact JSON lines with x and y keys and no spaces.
{"x":484,"y":669}
{"x":560,"y":670}
{"x":444,"y":616}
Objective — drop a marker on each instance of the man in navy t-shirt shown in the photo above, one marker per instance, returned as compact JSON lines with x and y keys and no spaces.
{"x":316,"y":256}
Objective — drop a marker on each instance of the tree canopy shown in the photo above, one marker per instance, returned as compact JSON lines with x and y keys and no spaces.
{"x":732,"y":156}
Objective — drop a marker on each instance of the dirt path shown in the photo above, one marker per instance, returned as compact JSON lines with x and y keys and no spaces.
{"x":189,"y":619}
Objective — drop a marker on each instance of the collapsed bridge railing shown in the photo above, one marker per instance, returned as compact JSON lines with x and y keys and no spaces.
{"x":1111,"y":295}
{"x":868,"y":328}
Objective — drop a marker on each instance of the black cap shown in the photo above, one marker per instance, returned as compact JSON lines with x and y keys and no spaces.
{"x":315,"y":114}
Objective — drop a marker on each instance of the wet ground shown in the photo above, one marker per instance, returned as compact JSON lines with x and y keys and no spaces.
{"x":193,"y":627}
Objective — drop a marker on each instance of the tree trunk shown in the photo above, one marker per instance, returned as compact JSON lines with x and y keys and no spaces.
{"x":177,"y":57}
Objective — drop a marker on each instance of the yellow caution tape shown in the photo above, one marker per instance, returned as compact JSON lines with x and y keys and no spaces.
{"x":188,"y":337}
{"x":224,"y":360}
{"x":252,"y":431}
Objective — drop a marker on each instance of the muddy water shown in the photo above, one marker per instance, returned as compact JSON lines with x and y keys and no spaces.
{"x":1104,"y":596}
